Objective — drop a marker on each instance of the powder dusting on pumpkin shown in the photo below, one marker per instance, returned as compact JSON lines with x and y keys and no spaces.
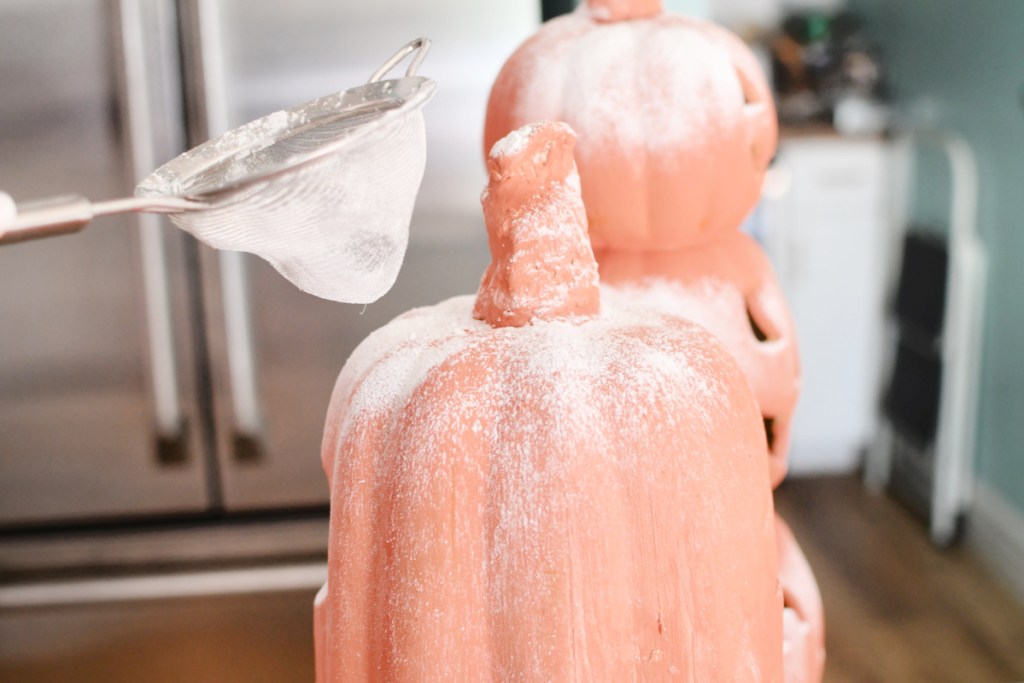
{"x":633,"y":85}
{"x":673,"y":141}
{"x":728,"y":288}
{"x":530,"y":486}
{"x":551,"y":444}
{"x":515,"y":142}
{"x":386,"y":368}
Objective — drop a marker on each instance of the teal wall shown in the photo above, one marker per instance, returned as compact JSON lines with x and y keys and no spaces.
{"x":963,"y":61}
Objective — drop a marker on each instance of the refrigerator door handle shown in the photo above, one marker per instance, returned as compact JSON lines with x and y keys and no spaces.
{"x":167,"y":412}
{"x":247,"y":419}
{"x":201,"y":23}
{"x":169,"y":422}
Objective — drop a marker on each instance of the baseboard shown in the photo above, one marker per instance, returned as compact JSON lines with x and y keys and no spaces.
{"x":808,"y":462}
{"x":996,"y":534}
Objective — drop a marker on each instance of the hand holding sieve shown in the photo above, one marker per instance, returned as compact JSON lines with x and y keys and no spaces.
{"x":323,"y":191}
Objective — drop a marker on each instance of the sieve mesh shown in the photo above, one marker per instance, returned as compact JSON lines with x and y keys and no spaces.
{"x":323,"y":192}
{"x":336,"y":227}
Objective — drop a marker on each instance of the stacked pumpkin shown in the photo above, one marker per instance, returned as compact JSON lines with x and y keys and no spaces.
{"x":549,"y":482}
{"x":676,"y":128}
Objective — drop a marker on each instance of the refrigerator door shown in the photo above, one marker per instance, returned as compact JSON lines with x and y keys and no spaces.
{"x":97,"y":416}
{"x":277,"y":351}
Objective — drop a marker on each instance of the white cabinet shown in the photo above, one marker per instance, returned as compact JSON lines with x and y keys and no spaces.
{"x":825,"y":224}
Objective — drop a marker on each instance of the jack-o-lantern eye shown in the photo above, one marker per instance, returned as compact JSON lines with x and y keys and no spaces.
{"x":759,"y":333}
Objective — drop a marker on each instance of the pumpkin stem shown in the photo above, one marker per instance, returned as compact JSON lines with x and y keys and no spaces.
{"x":542,"y":266}
{"x":623,"y":10}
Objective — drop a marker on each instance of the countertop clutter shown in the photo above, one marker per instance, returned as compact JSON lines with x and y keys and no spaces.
{"x":826,"y":71}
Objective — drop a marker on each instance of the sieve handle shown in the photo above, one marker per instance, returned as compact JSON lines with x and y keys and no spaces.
{"x":68,"y":214}
{"x":420,"y":45}
{"x":47,"y":218}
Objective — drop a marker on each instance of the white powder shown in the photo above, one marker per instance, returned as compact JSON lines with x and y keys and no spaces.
{"x":721,"y":307}
{"x":562,"y":364}
{"x":711,"y":303}
{"x":646,"y":84}
{"x":515,"y":142}
{"x":393,"y":360}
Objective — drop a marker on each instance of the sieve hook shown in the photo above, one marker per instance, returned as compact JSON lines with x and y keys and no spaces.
{"x":420,"y":45}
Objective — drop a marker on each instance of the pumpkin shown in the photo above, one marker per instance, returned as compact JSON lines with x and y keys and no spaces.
{"x":676,"y":127}
{"x":728,"y":287}
{"x":548,"y":482}
{"x":675,"y":120}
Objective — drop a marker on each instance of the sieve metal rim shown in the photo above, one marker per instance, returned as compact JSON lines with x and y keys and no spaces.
{"x":410,"y":92}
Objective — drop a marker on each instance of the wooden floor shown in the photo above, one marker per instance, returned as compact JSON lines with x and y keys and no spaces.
{"x":897,"y":611}
{"x":896,"y":608}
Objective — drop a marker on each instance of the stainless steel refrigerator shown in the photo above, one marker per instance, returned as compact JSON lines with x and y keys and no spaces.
{"x":162,"y":404}
{"x":163,"y":511}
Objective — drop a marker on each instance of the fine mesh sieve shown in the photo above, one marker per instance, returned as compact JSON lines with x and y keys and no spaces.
{"x":324,"y":191}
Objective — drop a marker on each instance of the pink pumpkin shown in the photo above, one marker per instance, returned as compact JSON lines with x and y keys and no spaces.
{"x":726,"y":286}
{"x":549,"y":482}
{"x":676,"y":128}
{"x":675,"y":121}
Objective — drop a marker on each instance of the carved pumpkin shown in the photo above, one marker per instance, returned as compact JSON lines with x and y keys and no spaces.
{"x":726,"y":286}
{"x":549,"y":483}
{"x":675,"y":121}
{"x":676,"y":126}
